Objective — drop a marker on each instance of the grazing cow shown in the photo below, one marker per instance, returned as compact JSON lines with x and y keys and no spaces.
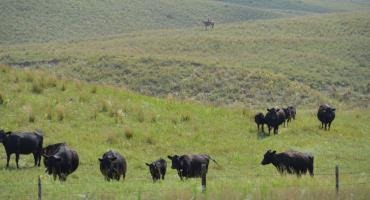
{"x":22,"y":143}
{"x":113,"y":165}
{"x":190,"y":166}
{"x":259,"y":118}
{"x":326,"y":115}
{"x":60,"y":160}
{"x":157,"y":169}
{"x":274,"y":118}
{"x":292,"y":162}
{"x":293,"y":111}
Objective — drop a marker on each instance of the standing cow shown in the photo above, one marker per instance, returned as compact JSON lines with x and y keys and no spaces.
{"x":292,"y":162}
{"x":190,"y":166}
{"x":326,"y":115}
{"x":113,"y":165}
{"x":157,"y":169}
{"x":60,"y":161}
{"x":22,"y":143}
{"x":274,"y":118}
{"x":259,"y":118}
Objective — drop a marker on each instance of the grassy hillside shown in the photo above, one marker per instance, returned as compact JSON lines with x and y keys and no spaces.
{"x":93,"y":118}
{"x":302,"y":61}
{"x":40,"y":20}
{"x":29,"y":21}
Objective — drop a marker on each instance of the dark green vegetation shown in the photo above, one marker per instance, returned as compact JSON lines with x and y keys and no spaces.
{"x":41,"y":20}
{"x":301,"y":61}
{"x":92,"y":119}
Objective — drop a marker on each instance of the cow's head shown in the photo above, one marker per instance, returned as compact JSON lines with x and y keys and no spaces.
{"x":53,"y":164}
{"x":272,"y":112}
{"x":3,"y":135}
{"x":176,"y":161}
{"x":106,"y":164}
{"x":154,"y":171}
{"x":269,"y":157}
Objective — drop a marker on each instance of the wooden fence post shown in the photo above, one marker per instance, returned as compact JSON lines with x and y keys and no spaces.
{"x":204,"y":177}
{"x":39,"y":188}
{"x":337,"y":178}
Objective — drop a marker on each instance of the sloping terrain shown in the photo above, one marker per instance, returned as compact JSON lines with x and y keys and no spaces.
{"x":302,"y":61}
{"x":41,"y":20}
{"x":93,"y":118}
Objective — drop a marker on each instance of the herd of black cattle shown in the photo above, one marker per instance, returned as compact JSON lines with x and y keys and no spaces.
{"x":60,"y":160}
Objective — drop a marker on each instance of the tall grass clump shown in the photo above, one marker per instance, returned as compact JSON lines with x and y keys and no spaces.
{"x":128,"y":133}
{"x":106,"y":105}
{"x":1,"y":99}
{"x":61,"y":113}
{"x":51,"y":81}
{"x":94,"y":89}
{"x":30,"y":114}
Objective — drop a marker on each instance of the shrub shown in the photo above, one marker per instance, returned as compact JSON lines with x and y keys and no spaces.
{"x":185,"y":117}
{"x":106,"y":106}
{"x":29,"y":76}
{"x":36,"y":87}
{"x":128,"y":133}
{"x":119,"y":115}
{"x":63,"y":88}
{"x":94,"y":89}
{"x":49,"y":114}
{"x":141,"y":116}
{"x":51,"y":81}
{"x":30,"y":115}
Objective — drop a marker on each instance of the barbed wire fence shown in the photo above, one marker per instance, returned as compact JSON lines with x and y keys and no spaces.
{"x":42,"y":188}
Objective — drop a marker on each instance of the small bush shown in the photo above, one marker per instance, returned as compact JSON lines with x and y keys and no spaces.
{"x":128,"y":133}
{"x":51,"y":81}
{"x":112,"y":138}
{"x":149,"y":140}
{"x":94,"y":89}
{"x":185,"y":117}
{"x":141,"y":116}
{"x":106,"y":106}
{"x":37,"y":87}
{"x":60,"y":110}
{"x":30,"y":114}
{"x":29,"y":76}
{"x":119,"y":115}
{"x":63,"y":88}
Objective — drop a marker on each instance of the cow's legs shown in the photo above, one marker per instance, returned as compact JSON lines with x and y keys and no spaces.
{"x":7,"y":159}
{"x":35,"y":157}
{"x":262,"y":128}
{"x":329,"y":125}
{"x":17,"y":159}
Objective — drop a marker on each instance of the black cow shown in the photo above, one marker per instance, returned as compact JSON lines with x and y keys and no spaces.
{"x":60,"y":160}
{"x":292,"y":162}
{"x":113,"y":165}
{"x":157,"y":169}
{"x":22,"y":143}
{"x":326,"y":115}
{"x":274,"y":118}
{"x":190,"y":166}
{"x":259,"y":118}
